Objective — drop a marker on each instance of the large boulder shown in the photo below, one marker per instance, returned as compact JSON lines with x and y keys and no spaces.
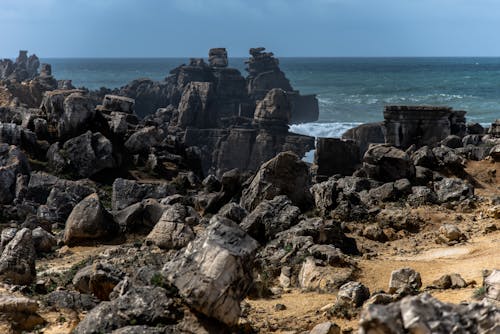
{"x":173,"y":231}
{"x":271,"y":217}
{"x":82,"y":156}
{"x":79,"y":112}
{"x":387,"y":163}
{"x":366,"y":134}
{"x":214,"y":272}
{"x":425,"y":314}
{"x":89,"y":221}
{"x":143,"y":140}
{"x":285,"y":174}
{"x":195,"y":105}
{"x":20,"y":312}
{"x":274,"y":109}
{"x":17,"y":263}
{"x":336,"y":156}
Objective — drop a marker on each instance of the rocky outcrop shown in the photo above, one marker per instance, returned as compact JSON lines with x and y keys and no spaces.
{"x":264,"y":74}
{"x":24,"y":68}
{"x":419,"y":125}
{"x":426,"y":314}
{"x":217,"y":57}
{"x":127,"y":192}
{"x":285,"y":174}
{"x":366,"y":134}
{"x":82,"y":156}
{"x":213,"y":273}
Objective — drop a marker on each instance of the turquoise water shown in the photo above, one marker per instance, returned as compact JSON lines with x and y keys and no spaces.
{"x":350,"y":90}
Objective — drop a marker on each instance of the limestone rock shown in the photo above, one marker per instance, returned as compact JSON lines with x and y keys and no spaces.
{"x":325,"y":328}
{"x":364,"y":135}
{"x":43,"y":240}
{"x":425,"y":314}
{"x":274,"y":109}
{"x":285,"y":174}
{"x":20,"y":312}
{"x":118,"y":103}
{"x":452,"y":189}
{"x":143,"y":140}
{"x":405,"y":278}
{"x":336,"y":156}
{"x":386,"y":163}
{"x":172,"y":231}
{"x":314,"y":275}
{"x":450,"y":234}
{"x":17,"y":263}
{"x":213,"y":274}
{"x":89,"y":221}
{"x":12,"y":162}
{"x":141,"y":305}
{"x":98,"y":279}
{"x":492,"y":285}
{"x":82,"y":156}
{"x":352,"y":294}
{"x":217,"y":57}
{"x":127,"y":192}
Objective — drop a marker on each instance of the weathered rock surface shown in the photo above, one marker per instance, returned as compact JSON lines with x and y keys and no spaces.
{"x":20,"y":312}
{"x":127,"y":192}
{"x":213,"y":273}
{"x":325,"y":328}
{"x":424,"y":314}
{"x":452,"y":189}
{"x":89,"y":221}
{"x":352,"y":294}
{"x":82,"y":156}
{"x":139,"y":305}
{"x":336,"y":156}
{"x":387,"y":163}
{"x":269,"y":218}
{"x":17,"y":263}
{"x":173,"y":230}
{"x":403,"y":279}
{"x":285,"y":174}
{"x":492,"y":285}
{"x":12,"y":162}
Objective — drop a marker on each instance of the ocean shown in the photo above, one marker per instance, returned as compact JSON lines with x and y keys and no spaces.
{"x":350,"y":91}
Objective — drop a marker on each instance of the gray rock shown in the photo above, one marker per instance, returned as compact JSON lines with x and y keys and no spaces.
{"x":62,"y":197}
{"x":285,"y":174}
{"x":405,"y":278}
{"x":270,"y":217}
{"x":98,"y":279}
{"x":118,"y":103}
{"x":214,"y":272}
{"x":386,"y":163}
{"x":12,"y":162}
{"x":62,"y":299}
{"x":82,"y":156}
{"x":425,"y":314}
{"x":140,"y":305}
{"x":127,"y":192}
{"x":233,"y":211}
{"x":172,"y":231}
{"x":217,"y":57}
{"x":44,"y":241}
{"x":452,"y":141}
{"x":143,"y":140}
{"x":89,"y":221}
{"x":7,"y":235}
{"x":366,"y":134}
{"x":452,"y":189}
{"x":79,"y":112}
{"x":352,"y":294}
{"x":325,"y":328}
{"x":492,"y":285}
{"x":449,"y":233}
{"x":424,"y":157}
{"x":421,"y":195}
{"x":17,"y":263}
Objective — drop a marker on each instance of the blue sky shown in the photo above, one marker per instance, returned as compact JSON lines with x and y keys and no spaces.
{"x":170,"y":28}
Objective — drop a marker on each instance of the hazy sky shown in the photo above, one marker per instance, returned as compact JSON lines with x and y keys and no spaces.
{"x":169,"y":28}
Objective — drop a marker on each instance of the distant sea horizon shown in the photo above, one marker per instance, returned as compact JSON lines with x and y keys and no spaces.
{"x":350,"y":90}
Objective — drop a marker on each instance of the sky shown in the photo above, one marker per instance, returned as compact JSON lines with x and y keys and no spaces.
{"x":289,"y":28}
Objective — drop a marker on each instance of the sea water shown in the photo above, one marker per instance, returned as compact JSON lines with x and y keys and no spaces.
{"x":350,"y":91}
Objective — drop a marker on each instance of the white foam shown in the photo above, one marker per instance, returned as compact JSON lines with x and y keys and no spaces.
{"x":328,"y":130}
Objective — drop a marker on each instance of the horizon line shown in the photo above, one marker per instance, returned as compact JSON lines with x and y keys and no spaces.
{"x":246,"y":57}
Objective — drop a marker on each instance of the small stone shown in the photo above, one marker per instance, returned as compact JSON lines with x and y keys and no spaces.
{"x":326,"y":328}
{"x":279,"y":307}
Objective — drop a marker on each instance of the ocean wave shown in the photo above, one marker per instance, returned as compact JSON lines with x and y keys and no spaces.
{"x":328,"y":130}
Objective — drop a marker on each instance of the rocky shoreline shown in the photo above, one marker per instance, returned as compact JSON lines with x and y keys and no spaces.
{"x":175,"y":206}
